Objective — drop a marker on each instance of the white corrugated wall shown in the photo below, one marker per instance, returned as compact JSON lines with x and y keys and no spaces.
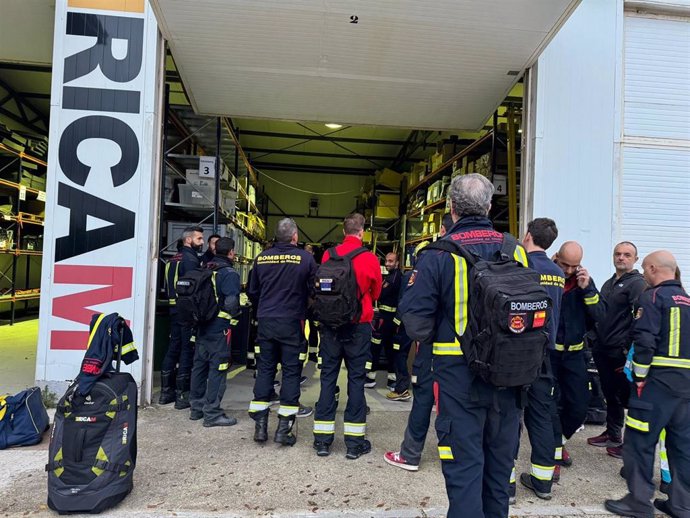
{"x":655,"y":159}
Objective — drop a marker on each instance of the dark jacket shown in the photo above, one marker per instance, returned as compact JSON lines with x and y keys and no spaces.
{"x":207,"y":257}
{"x":438,"y":284}
{"x":102,"y":349}
{"x":190,"y":260}
{"x":368,"y":274}
{"x":390,"y":292}
{"x":281,"y":282}
{"x":553,"y":281}
{"x":580,"y":311}
{"x":226,"y":281}
{"x":614,"y":331}
{"x":661,"y":335}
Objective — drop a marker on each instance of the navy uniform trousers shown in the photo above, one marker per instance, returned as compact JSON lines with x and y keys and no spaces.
{"x":351,"y":343}
{"x":281,"y":340}
{"x":420,"y":415}
{"x":647,"y":416}
{"x":477,"y":429}
{"x":211,"y":363}
{"x":180,"y":353}
{"x":572,"y":394}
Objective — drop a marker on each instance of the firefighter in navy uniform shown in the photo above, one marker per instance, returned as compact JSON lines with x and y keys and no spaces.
{"x":281,"y":282}
{"x":176,"y":369}
{"x":476,"y":424}
{"x":660,"y":397}
{"x":385,"y":326}
{"x":541,"y":410}
{"x":212,"y":355}
{"x":581,"y":309}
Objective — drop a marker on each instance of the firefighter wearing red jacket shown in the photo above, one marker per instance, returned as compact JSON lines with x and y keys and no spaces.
{"x":351,"y":343}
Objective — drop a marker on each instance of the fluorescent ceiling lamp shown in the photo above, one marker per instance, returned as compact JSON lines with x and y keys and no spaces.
{"x":333,"y":125}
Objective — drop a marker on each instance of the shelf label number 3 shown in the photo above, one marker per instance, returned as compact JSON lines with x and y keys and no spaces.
{"x":207,"y":167}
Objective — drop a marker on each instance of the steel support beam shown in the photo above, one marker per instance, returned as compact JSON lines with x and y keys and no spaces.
{"x":22,"y":105}
{"x":317,"y":155}
{"x":327,"y":138}
{"x":266,"y":166}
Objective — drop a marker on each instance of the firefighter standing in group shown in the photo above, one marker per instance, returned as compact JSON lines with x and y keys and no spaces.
{"x":281,"y":281}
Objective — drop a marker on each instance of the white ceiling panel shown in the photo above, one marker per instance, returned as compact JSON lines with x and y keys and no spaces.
{"x":427,"y":65}
{"x":26,"y":31}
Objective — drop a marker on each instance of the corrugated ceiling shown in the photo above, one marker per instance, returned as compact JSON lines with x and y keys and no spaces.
{"x":426,"y":65}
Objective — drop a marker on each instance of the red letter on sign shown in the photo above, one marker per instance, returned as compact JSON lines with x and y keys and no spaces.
{"x":117,"y":285}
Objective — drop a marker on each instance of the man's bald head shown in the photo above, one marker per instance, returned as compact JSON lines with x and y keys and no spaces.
{"x":569,"y":257}
{"x":392,"y":262}
{"x":659,"y":266}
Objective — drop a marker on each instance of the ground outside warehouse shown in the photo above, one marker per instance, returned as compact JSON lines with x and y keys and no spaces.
{"x":186,"y":470}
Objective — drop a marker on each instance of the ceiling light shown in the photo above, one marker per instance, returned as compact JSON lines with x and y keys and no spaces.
{"x":333,"y":125}
{"x":520,"y":130}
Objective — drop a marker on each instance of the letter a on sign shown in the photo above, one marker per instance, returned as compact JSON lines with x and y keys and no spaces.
{"x":103,"y":180}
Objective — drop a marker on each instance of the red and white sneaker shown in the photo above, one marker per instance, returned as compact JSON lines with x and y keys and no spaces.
{"x":395,"y":459}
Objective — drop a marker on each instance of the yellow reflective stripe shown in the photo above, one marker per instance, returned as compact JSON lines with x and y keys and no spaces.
{"x":521,"y":256}
{"x":542,"y":472}
{"x":95,"y":327}
{"x":590,"y":301}
{"x":396,"y":321}
{"x":286,"y":410}
{"x":58,"y":458}
{"x":513,"y":477}
{"x":570,"y":348}
{"x":192,"y":339}
{"x":326,"y":427}
{"x":663,"y":455}
{"x":128,"y":348}
{"x":355,"y":429}
{"x":396,"y":347}
{"x":100,"y":456}
{"x":461,"y":294}
{"x":558,"y":455}
{"x":302,"y":356}
{"x":642,"y":426}
{"x":172,"y":302}
{"x":165,"y":276}
{"x":257,"y":349}
{"x":3,"y":406}
{"x":223,"y":366}
{"x":640,"y":370}
{"x":445,"y":453}
{"x":375,"y":340}
{"x":389,"y":309}
{"x":258,"y":406}
{"x":319,"y":361}
{"x":674,"y":333}
{"x":663,"y":361}
{"x":213,"y":281}
{"x":447,"y":348}
{"x":368,"y":365}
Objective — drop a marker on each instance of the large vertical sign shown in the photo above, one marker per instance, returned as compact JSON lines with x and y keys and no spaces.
{"x":99,"y":235}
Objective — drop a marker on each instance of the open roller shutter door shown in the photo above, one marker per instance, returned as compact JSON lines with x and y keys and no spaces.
{"x":655,"y":190}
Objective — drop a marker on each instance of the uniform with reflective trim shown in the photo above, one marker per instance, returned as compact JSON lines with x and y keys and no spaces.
{"x":477,"y":424}
{"x":661,"y":359}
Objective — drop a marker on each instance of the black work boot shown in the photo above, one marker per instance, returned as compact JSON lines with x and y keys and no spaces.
{"x":284,"y":433}
{"x":663,"y":506}
{"x":628,"y":506}
{"x":261,"y":428}
{"x":182,"y":393}
{"x":167,"y":388}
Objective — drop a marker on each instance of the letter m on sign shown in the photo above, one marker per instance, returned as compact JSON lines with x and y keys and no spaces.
{"x":116,"y":284}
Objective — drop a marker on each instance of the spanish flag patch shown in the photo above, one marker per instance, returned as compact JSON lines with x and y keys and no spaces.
{"x":539,"y":319}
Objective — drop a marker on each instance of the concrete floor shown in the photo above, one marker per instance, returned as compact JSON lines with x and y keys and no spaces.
{"x":186,"y":470}
{"x":18,"y":356}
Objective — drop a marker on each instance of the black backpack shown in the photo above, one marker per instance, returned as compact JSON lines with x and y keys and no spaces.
{"x":508,"y":316}
{"x":197,"y":300}
{"x":337,"y":301}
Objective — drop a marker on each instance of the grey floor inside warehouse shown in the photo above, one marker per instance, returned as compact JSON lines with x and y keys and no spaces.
{"x":184,"y":469}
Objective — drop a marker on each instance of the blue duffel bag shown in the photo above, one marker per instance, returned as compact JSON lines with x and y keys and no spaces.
{"x":23,"y":419}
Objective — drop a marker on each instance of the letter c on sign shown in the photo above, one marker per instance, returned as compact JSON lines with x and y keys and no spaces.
{"x":98,"y":126}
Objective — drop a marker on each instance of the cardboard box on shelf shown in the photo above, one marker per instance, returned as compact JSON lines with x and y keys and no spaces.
{"x":387,"y":206}
{"x":389,"y":178}
{"x":436,"y":161}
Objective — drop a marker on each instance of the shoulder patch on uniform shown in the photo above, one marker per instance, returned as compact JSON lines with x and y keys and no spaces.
{"x":413,"y":278}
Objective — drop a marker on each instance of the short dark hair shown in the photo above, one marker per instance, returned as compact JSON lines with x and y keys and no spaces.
{"x":447,"y":221}
{"x":180,"y":244}
{"x":213,"y":236}
{"x":630,"y":243}
{"x":224,"y":245}
{"x":353,"y":223}
{"x":543,"y":231}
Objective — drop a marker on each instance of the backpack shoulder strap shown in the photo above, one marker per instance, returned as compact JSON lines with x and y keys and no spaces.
{"x":453,"y":247}
{"x":356,"y":252}
{"x":332,"y":253}
{"x":508,"y":247}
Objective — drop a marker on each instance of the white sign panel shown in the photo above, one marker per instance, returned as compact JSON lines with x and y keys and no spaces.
{"x":207,"y":167}
{"x":102,"y":179}
{"x":500,"y":185}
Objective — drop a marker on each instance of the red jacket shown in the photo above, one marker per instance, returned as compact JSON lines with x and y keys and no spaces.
{"x":368,"y":273}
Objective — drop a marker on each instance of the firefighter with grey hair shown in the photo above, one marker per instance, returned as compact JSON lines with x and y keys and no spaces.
{"x":280,"y":284}
{"x":477,"y":423}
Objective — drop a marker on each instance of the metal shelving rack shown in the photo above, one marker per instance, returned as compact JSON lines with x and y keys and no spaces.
{"x":18,"y":220}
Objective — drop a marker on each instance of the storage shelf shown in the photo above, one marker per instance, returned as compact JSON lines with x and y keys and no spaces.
{"x":469,"y":149}
{"x":32,"y":295}
{"x":22,"y":220}
{"x":18,"y":187}
{"x":199,"y":210}
{"x":427,"y":208}
{"x":22,"y":252}
{"x":22,"y":155}
{"x":419,"y":239}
